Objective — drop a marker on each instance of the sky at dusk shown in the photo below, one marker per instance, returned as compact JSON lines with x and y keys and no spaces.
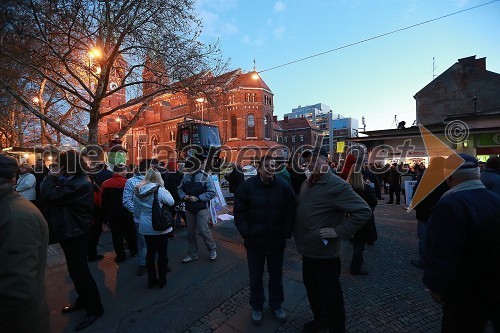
{"x":376,"y":79}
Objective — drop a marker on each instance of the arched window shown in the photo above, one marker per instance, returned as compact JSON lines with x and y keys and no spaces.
{"x":267,"y":126}
{"x":154,"y":146}
{"x":234,"y":127}
{"x":250,"y":125}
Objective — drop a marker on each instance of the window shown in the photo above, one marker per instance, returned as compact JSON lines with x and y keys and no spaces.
{"x":267,"y":126}
{"x":172,"y":136}
{"x":234,"y":127}
{"x":285,"y":139}
{"x":250,"y":125}
{"x":301,"y":138}
{"x":293,"y":138}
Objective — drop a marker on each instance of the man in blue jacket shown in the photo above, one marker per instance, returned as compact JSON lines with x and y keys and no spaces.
{"x":264,"y":209}
{"x":463,"y":264}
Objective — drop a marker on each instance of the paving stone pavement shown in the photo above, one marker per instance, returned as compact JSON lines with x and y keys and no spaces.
{"x":391,"y":298}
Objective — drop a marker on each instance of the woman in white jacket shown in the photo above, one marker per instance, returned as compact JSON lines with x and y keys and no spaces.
{"x":156,"y":241}
{"x":26,"y":183}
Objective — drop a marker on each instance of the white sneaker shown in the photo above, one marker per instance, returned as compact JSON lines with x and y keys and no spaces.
{"x":256,"y":317}
{"x":213,"y":255}
{"x":189,"y":259}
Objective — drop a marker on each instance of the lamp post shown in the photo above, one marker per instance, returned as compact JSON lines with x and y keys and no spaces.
{"x":202,"y":101}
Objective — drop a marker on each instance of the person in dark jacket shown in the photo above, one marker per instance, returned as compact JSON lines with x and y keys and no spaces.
{"x":394,"y":181}
{"x":463,"y":257}
{"x":121,"y":221}
{"x":24,"y":239}
{"x":297,"y":175}
{"x":174,"y":180}
{"x":264,"y":207}
{"x":435,"y":173}
{"x":368,"y":232}
{"x":235,"y":178}
{"x":68,"y":194}
{"x":490,"y":176}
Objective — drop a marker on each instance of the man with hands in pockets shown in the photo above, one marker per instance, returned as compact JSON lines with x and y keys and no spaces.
{"x":320,"y":222}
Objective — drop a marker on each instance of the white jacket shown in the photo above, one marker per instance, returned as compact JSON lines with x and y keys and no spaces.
{"x":26,"y":186}
{"x":143,"y":202}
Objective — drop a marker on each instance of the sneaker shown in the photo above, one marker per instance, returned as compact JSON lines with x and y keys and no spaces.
{"x":141,"y":270}
{"x":189,"y":259}
{"x":213,"y":255}
{"x":280,"y":314}
{"x":256,"y":317}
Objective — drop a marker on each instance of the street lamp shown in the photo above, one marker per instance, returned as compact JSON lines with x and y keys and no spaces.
{"x":202,"y":101}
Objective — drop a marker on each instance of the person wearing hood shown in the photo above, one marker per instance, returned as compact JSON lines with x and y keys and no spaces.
{"x":26,"y":184}
{"x":156,"y":241}
{"x":490,"y":176}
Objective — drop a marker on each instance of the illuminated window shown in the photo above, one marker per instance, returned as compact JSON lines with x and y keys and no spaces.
{"x":250,"y":125}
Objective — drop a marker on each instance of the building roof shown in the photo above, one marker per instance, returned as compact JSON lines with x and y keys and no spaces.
{"x":247,"y":80}
{"x":296,"y":123}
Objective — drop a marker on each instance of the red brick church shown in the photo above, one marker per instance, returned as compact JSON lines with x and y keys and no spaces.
{"x":240,"y":104}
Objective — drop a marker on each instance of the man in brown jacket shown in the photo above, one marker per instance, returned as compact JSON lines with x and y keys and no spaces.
{"x":24,"y":238}
{"x":320,"y":223}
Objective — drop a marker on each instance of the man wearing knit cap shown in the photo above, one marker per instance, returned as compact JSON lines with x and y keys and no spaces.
{"x":463,"y":255}
{"x":24,"y":238}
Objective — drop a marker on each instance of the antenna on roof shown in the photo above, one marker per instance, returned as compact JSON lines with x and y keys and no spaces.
{"x":395,"y":121}
{"x":433,"y":69}
{"x":254,"y":67}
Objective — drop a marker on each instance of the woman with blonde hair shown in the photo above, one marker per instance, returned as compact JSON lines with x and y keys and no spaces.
{"x":367,"y":233}
{"x":156,"y":241}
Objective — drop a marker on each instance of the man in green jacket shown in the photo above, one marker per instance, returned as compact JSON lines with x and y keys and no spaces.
{"x":320,"y":223}
{"x":24,"y":239}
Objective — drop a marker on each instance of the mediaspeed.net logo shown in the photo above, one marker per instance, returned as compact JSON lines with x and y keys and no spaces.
{"x":455,"y":132}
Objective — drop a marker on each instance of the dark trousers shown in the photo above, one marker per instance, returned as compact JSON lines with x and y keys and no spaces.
{"x":95,"y":234}
{"x":256,"y":262}
{"x":75,"y":251}
{"x":357,"y":254}
{"x":321,"y":279}
{"x":395,"y":189}
{"x":156,"y":244}
{"x":120,"y":230}
{"x":469,"y":317}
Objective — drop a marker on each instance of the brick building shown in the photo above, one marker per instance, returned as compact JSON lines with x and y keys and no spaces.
{"x":240,"y":104}
{"x":294,"y":133}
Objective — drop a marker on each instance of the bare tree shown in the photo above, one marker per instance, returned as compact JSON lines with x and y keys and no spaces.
{"x":81,"y":53}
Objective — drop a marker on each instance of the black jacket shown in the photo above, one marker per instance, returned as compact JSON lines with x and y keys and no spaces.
{"x":68,"y":206}
{"x":264,"y":214}
{"x":235,"y":178}
{"x":424,"y":208}
{"x":368,"y":232}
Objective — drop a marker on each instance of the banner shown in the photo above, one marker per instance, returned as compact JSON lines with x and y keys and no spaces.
{"x":340,"y":146}
{"x":218,"y":205}
{"x":408,"y":186}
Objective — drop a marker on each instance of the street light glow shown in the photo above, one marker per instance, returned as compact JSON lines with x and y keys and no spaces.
{"x":200,"y":100}
{"x":95,"y":53}
{"x":255,"y":76}
{"x":36,"y":100}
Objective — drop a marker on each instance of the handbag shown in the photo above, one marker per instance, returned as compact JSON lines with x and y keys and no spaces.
{"x":161,"y":218}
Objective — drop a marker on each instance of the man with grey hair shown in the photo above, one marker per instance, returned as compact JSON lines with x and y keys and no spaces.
{"x":463,"y":263}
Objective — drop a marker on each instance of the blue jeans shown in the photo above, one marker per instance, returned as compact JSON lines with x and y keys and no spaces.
{"x":141,"y":247}
{"x":422,"y":234}
{"x":256,"y":262}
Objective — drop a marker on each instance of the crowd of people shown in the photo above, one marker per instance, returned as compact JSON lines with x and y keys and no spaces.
{"x":457,"y":228}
